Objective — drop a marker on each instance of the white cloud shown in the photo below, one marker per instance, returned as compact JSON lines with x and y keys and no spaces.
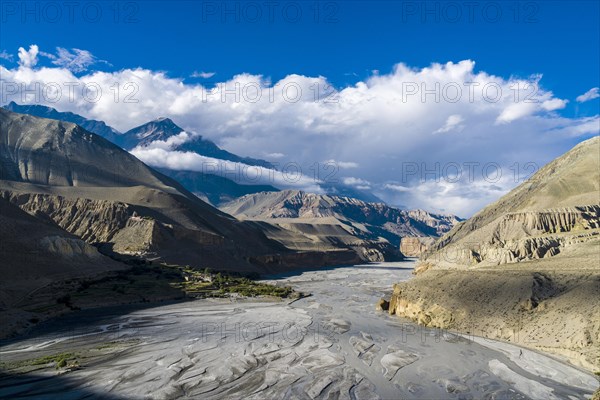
{"x":202,"y":74}
{"x":378,"y":126}
{"x":274,"y":155}
{"x":6,"y":56}
{"x":170,"y":143}
{"x":587,"y":127}
{"x":76,"y":60}
{"x":341,"y":164}
{"x":453,"y":123}
{"x":445,"y":196}
{"x":357,"y":183}
{"x":161,"y":157}
{"x":28,"y":58}
{"x":554,"y":104}
{"x":591,"y":94}
{"x":396,"y":188}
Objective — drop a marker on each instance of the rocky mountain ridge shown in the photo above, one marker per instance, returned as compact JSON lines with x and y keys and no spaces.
{"x":378,"y":219}
{"x":523,"y":269}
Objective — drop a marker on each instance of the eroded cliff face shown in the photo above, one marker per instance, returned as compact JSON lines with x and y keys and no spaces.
{"x":68,"y":247}
{"x":108,"y":223}
{"x":551,"y":311}
{"x":94,"y":221}
{"x":415,"y":246}
{"x":520,"y":236}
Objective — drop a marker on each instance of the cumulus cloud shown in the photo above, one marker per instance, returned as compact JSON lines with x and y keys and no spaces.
{"x":381,"y":127}
{"x":554,"y":104}
{"x":202,"y":74}
{"x":28,"y":58}
{"x":591,"y":94}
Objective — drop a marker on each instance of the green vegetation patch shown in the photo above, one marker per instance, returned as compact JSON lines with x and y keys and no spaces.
{"x":60,"y":360}
{"x":206,"y":283}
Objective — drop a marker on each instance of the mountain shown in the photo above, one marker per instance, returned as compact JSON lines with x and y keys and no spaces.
{"x":35,"y":253}
{"x":339,"y":189}
{"x":214,"y":188}
{"x":164,"y":128}
{"x":102,"y":194}
{"x":557,"y":209}
{"x":72,"y":203}
{"x":158,"y":129}
{"x":525,"y":268}
{"x":97,"y":127}
{"x":374,"y":219}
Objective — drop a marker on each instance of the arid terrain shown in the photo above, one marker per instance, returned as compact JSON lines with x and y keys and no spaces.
{"x":333,"y":344}
{"x":525,"y":269}
{"x":300,"y":200}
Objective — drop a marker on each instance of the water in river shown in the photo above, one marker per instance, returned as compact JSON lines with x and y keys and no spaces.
{"x":330,"y":345}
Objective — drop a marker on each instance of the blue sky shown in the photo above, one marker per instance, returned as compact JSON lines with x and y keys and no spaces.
{"x":174,"y":52}
{"x":344,"y":41}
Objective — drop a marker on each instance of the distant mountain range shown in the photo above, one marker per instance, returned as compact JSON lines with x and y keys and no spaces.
{"x":213,"y":187}
{"x":100,"y":193}
{"x":94,"y":189}
{"x":97,"y":127}
{"x":367,"y":219}
{"x":159,"y":129}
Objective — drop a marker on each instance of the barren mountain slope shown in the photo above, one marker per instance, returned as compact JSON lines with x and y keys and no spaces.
{"x":96,"y":190}
{"x":524,"y":269}
{"x":35,"y":253}
{"x":558,"y":207}
{"x":378,"y":218}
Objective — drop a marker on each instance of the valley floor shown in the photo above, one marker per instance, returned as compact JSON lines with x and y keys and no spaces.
{"x":332,"y":344}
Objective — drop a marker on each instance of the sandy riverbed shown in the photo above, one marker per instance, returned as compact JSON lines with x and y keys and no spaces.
{"x":330,"y":345}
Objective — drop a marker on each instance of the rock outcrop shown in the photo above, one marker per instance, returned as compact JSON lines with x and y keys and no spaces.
{"x":415,"y":246}
{"x":554,"y":311}
{"x":68,"y":247}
